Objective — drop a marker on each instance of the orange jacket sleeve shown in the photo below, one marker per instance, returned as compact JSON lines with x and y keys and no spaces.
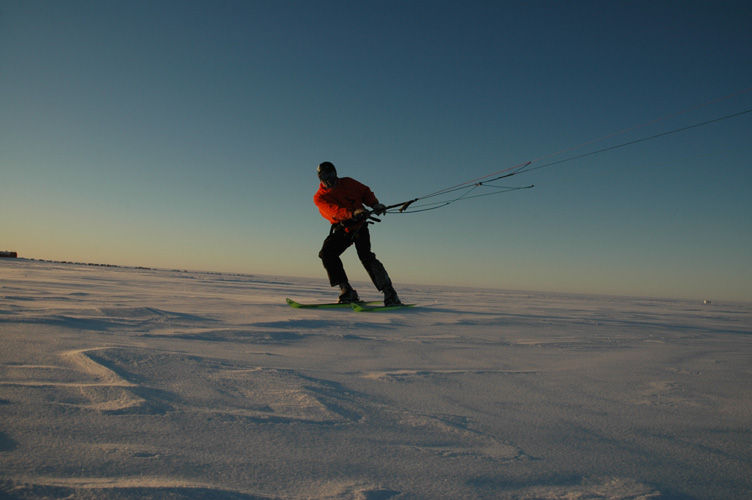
{"x":340,"y":202}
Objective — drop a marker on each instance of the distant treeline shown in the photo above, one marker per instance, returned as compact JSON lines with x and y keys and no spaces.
{"x":131,"y":267}
{"x":85,"y":263}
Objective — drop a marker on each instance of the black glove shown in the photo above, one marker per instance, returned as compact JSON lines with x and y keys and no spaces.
{"x":379,"y":209}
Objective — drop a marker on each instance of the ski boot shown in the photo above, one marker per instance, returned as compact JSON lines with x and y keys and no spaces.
{"x":390,"y":297}
{"x":348,"y":295}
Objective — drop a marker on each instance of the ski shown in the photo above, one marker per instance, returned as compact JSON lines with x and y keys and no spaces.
{"x":327,"y":305}
{"x":370,"y":308}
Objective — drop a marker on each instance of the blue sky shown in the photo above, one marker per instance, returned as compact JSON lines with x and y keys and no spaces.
{"x":185,"y":134}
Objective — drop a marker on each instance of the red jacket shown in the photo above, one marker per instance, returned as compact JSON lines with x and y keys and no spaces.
{"x":340,"y":202}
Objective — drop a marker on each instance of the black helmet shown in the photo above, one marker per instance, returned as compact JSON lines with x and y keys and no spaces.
{"x":327,"y":174}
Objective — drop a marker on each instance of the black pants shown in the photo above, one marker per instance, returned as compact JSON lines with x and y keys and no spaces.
{"x":339,"y":241}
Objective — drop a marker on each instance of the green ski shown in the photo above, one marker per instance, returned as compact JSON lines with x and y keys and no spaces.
{"x":329,"y":305}
{"x":370,"y":308}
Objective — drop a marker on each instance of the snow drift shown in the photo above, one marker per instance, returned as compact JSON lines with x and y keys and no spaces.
{"x":133,"y":383}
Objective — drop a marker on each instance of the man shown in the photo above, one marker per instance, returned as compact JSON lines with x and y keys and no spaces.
{"x":342,"y":202}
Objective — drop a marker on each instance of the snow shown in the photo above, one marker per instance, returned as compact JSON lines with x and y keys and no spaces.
{"x":136,"y":383}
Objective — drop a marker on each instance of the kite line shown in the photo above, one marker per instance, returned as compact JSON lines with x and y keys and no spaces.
{"x":467,"y":190}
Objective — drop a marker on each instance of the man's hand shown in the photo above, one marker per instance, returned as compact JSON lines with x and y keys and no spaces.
{"x":379,"y":209}
{"x":360,"y":214}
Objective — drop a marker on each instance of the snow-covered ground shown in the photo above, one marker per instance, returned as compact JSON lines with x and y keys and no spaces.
{"x":130,"y":383}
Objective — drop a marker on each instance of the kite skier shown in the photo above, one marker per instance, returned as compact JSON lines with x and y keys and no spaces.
{"x":342,"y":201}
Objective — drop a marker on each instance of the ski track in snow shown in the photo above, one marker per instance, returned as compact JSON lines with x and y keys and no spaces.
{"x":131,"y":383}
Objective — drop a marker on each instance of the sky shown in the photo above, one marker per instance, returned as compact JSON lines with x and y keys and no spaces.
{"x":186,"y":135}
